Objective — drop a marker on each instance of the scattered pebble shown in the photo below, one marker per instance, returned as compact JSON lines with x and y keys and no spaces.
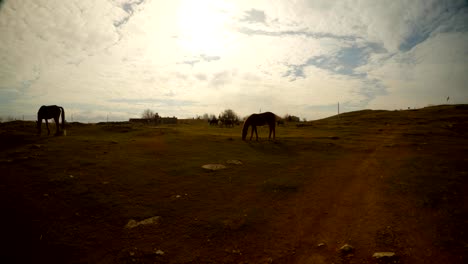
{"x":214,"y":167}
{"x":133,"y":223}
{"x":159,"y":252}
{"x":381,"y":255}
{"x":235,"y":162}
{"x":346,"y":249}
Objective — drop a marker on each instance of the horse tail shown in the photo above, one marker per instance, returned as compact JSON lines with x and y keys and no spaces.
{"x":63,"y":117}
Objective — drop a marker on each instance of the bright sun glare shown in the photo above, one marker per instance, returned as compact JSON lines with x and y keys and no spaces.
{"x":203,"y":26}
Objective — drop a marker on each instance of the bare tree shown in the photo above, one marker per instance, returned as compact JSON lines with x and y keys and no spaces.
{"x":149,"y":114}
{"x":229,"y":114}
{"x":291,"y":118}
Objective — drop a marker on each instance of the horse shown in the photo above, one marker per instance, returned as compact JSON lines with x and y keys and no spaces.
{"x":228,"y":122}
{"x":254,"y":120}
{"x":213,"y":121}
{"x":49,"y":112}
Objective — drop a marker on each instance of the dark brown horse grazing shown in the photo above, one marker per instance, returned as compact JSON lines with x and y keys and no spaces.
{"x":49,"y":112}
{"x":254,"y":120}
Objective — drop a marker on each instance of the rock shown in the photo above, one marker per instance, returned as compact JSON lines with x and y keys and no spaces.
{"x":320,"y":245}
{"x":235,"y":162}
{"x":214,"y":167}
{"x":159,"y":252}
{"x":346,"y":249}
{"x":384,"y":255}
{"x":133,"y":223}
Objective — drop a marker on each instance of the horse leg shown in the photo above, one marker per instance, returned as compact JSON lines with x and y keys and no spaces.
{"x":47,"y":125}
{"x":256,"y":133}
{"x":251,"y":134}
{"x":56,"y":119}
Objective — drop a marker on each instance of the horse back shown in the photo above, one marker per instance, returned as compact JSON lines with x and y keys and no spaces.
{"x":49,"y":111}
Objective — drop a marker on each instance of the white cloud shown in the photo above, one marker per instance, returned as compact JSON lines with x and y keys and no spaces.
{"x":428,"y":74}
{"x":190,"y":57}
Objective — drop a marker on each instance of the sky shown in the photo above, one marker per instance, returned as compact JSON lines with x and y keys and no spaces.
{"x":111,"y":60}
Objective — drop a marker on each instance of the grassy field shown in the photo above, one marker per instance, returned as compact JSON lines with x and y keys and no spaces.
{"x":377,"y":180}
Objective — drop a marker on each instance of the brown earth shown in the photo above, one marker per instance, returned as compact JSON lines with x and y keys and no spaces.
{"x":377,"y":180}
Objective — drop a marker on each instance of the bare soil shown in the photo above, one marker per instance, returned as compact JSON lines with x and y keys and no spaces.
{"x":380,"y":181}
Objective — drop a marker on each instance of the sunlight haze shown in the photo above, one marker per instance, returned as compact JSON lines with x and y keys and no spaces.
{"x":113,"y":59}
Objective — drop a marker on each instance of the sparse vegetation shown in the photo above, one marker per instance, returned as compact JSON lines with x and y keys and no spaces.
{"x":291,"y":118}
{"x":384,"y":180}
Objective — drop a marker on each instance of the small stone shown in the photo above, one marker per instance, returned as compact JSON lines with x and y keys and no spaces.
{"x":235,"y":162}
{"x":214,"y":167}
{"x":133,"y":223}
{"x":321,"y":245}
{"x":159,"y":252}
{"x":381,"y":255}
{"x":346,"y":249}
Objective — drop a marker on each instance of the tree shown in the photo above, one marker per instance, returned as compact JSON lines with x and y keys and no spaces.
{"x":291,"y":118}
{"x":229,"y":114}
{"x":149,"y":114}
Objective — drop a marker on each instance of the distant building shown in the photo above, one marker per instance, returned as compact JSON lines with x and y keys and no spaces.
{"x":154,"y":121}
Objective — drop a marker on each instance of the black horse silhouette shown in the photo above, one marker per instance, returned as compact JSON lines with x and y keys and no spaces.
{"x":254,"y":120}
{"x":50,"y":112}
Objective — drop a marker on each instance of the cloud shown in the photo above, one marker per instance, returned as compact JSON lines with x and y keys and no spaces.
{"x":427,"y":74}
{"x":272,"y":55}
{"x":254,"y":16}
{"x":129,"y":8}
{"x":220,"y":79}
{"x":200,"y":58}
{"x":300,"y":32}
